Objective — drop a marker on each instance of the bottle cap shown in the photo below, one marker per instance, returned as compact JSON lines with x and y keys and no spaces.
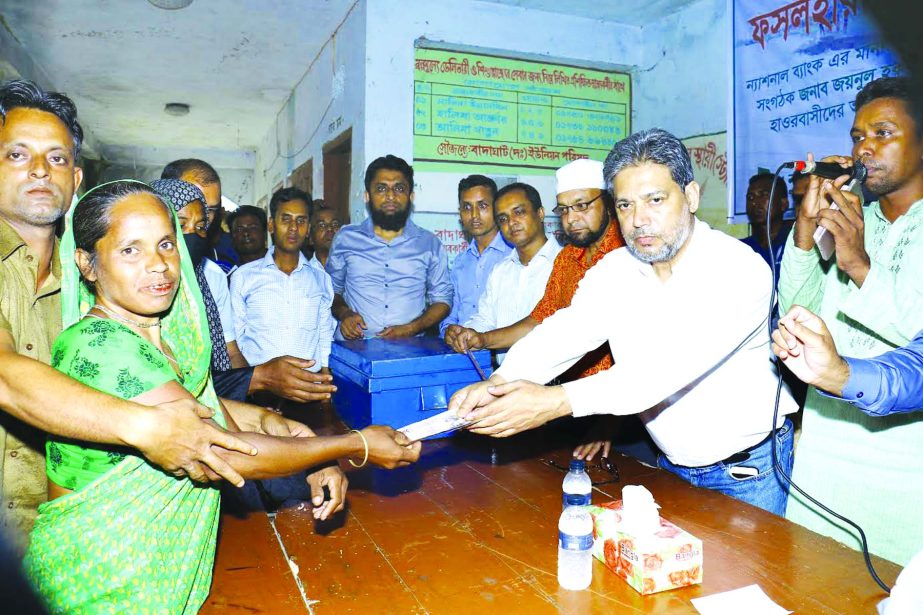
{"x":577,"y":464}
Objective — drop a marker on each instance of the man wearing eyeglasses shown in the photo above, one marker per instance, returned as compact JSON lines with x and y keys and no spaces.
{"x":390,"y":277}
{"x":517,"y":282}
{"x":324,"y":225}
{"x":203,"y":176}
{"x":472,"y":268}
{"x":592,"y":231}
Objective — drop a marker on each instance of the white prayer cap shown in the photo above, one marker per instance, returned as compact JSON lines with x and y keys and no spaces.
{"x":580,"y":174}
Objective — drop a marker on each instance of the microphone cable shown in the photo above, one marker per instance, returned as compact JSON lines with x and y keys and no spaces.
{"x":775,"y":414}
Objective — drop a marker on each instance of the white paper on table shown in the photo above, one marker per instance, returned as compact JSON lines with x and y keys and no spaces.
{"x":444,"y":421}
{"x":750,"y":600}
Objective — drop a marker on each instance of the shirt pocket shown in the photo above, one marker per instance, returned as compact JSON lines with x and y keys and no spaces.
{"x":312,"y":306}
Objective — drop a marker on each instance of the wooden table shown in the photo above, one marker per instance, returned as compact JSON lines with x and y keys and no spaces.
{"x":459,"y":534}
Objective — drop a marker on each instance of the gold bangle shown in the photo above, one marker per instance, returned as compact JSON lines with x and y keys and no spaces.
{"x":366,"y":457}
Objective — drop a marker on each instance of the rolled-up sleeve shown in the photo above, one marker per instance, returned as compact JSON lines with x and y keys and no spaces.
{"x":452,"y":318}
{"x":438,"y":280}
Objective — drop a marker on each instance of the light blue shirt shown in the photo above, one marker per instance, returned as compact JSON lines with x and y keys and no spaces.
{"x":469,"y":279}
{"x":889,"y":383}
{"x":277,"y":314}
{"x":388,"y":283}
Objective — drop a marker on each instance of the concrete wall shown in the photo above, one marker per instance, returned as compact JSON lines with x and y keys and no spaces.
{"x":382,"y":115}
{"x":329,"y":100}
{"x":679,"y":66}
{"x":682,"y":84}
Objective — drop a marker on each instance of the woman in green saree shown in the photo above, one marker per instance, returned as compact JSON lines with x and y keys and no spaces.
{"x":119,"y":535}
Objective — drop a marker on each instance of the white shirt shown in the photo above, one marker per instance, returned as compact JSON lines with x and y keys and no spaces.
{"x":277,"y":314}
{"x":663,"y":337}
{"x":513,"y":289}
{"x":218,"y":285}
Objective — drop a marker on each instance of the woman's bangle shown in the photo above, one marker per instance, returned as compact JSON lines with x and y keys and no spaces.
{"x":365,"y":458}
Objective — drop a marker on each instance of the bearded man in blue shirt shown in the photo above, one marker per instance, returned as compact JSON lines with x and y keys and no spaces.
{"x":390,"y":277}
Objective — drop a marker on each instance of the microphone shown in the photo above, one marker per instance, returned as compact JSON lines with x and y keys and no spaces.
{"x":857,"y":174}
{"x":829,"y":170}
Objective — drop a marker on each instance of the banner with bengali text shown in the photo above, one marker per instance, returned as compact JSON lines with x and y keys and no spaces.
{"x":797,"y":69}
{"x":483,"y":113}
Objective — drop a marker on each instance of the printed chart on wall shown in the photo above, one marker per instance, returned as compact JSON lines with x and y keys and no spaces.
{"x":797,"y":69}
{"x":515,"y":117}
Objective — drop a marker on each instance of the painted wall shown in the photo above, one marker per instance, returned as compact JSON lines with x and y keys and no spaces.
{"x":329,"y":100}
{"x":364,"y":80}
{"x":380,"y":58}
{"x":394,"y":26}
{"x":682,"y":84}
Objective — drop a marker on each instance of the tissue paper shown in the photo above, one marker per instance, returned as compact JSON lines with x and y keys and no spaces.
{"x":652,"y":556}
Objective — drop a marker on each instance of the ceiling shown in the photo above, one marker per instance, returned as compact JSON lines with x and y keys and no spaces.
{"x":233,"y":61}
{"x":637,"y":13}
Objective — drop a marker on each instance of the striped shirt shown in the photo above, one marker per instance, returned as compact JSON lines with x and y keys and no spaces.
{"x":276,"y":314}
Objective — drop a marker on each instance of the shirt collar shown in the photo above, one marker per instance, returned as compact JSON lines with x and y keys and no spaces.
{"x":10,"y":241}
{"x":269,"y":261}
{"x":547,"y":251}
{"x":410,"y":230}
{"x":497,"y":243}
{"x":914,"y":210}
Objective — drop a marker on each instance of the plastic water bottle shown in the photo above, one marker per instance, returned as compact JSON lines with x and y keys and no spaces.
{"x":575,"y":548}
{"x":577,"y":485}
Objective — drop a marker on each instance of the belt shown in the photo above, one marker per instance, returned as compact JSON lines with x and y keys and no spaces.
{"x":745,"y":454}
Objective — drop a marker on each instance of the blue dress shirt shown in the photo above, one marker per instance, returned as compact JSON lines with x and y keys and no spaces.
{"x":889,"y":383}
{"x":388,"y":283}
{"x":778,"y":245}
{"x":277,"y":314}
{"x":469,"y":278}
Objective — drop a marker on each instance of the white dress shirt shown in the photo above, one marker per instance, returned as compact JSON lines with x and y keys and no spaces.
{"x":513,"y":289}
{"x":664,"y":336}
{"x":218,"y":285}
{"x":278,"y":314}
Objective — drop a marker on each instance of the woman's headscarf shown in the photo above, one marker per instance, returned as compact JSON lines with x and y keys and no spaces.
{"x":179,"y":194}
{"x":184,"y":325}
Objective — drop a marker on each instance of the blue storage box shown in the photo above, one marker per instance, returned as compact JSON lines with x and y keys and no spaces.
{"x":398,"y":382}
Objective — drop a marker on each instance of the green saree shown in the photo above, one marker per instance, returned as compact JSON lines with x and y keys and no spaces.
{"x":130,"y":538}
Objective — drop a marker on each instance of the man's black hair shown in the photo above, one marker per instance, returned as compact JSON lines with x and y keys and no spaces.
{"x":290,"y":194}
{"x":20,"y":93}
{"x":388,"y":163}
{"x":473,"y":181}
{"x":891,"y":87}
{"x":247,"y":210}
{"x":203,"y":172}
{"x":531,"y":193}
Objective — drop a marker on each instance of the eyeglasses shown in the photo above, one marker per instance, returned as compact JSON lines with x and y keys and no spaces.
{"x":396,"y":188}
{"x":328,"y":226}
{"x":560,"y":210}
{"x":212,"y":209}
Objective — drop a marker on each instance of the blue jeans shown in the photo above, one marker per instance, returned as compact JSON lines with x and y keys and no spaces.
{"x":765,"y":489}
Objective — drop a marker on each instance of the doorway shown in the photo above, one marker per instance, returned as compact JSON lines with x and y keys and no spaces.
{"x":337,"y":171}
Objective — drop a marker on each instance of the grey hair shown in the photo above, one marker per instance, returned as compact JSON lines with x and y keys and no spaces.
{"x":654,"y":145}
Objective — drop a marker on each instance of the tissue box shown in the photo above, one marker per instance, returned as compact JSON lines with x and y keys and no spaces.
{"x":668,"y":559}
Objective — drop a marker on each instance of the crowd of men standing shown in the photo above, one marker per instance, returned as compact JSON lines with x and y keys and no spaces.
{"x":673,"y":328}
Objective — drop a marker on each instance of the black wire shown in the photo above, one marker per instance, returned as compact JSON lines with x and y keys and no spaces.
{"x":775,"y":412}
